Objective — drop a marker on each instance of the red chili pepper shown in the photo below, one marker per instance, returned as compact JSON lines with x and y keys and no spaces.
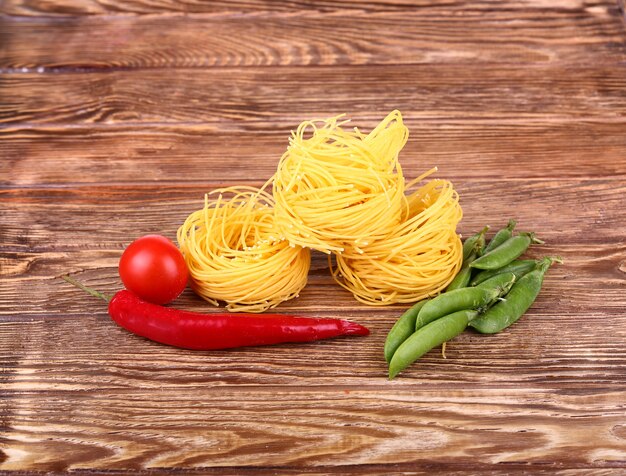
{"x":192,"y":330}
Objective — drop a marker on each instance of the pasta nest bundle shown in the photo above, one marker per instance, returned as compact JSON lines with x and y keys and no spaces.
{"x":343,"y":193}
{"x":340,"y":187}
{"x":338,"y":191}
{"x":235,"y":253}
{"x":418,"y":259}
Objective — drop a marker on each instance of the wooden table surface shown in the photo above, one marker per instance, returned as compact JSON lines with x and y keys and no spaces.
{"x":117,"y":116}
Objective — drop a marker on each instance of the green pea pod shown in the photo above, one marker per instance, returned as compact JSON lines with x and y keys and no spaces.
{"x":402,"y":329}
{"x":457,"y":300}
{"x":506,"y":252}
{"x":429,"y":337}
{"x":516,"y":302}
{"x":462,"y":279}
{"x":501,"y":236}
{"x":501,"y":282}
{"x":517,"y":267}
{"x":475,"y":242}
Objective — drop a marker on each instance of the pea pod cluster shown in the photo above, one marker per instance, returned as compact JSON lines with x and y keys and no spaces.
{"x":492,"y":290}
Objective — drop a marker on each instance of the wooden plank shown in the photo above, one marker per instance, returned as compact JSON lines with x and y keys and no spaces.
{"x":290,"y":7}
{"x":556,"y":343}
{"x":463,"y":34}
{"x":65,"y":235}
{"x":210,"y":427}
{"x":239,"y":96}
{"x":196,"y":155}
{"x":593,"y":276}
{"x":546,"y":348}
{"x":575,"y":211}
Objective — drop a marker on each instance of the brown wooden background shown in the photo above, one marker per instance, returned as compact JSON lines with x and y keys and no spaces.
{"x":117,"y":115}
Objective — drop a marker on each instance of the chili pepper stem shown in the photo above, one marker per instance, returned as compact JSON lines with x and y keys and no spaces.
{"x":91,"y":291}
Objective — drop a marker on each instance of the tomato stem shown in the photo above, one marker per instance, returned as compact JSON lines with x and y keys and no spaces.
{"x":91,"y":291}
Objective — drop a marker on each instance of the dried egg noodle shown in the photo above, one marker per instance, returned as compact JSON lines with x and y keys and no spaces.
{"x":340,"y":186}
{"x":417,"y":260}
{"x":235,"y":254}
{"x":342,"y":192}
{"x":337,"y":191}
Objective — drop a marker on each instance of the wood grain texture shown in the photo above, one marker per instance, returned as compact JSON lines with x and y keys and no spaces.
{"x":350,"y":425}
{"x":182,"y":154}
{"x":77,"y":8}
{"x":259,"y":97}
{"x":579,"y":211}
{"x":429,"y":35}
{"x":22,"y":269}
{"x":566,"y":352}
{"x":117,"y":116}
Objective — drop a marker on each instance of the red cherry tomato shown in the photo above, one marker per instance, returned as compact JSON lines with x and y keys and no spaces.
{"x":154,"y":269}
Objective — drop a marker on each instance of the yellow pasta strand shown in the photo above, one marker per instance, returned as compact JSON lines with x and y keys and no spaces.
{"x":417,"y":260}
{"x":343,"y":193}
{"x":338,"y":191}
{"x":340,"y":186}
{"x":235,"y":253}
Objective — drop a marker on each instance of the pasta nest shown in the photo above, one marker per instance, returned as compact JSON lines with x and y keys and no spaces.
{"x":418,"y":259}
{"x":235,"y":253}
{"x":338,"y":186}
